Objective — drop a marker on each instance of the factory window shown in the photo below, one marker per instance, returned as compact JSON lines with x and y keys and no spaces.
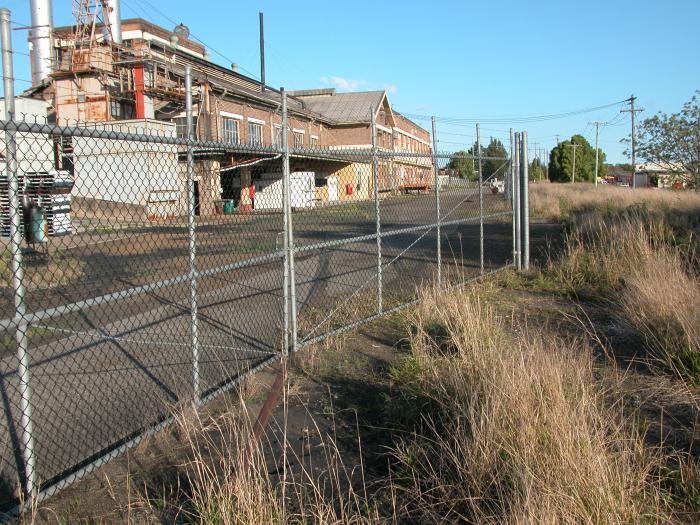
{"x":120,"y":110}
{"x":148,"y":77}
{"x":298,"y":140}
{"x":115,"y":109}
{"x":278,"y":136}
{"x":229,"y":128}
{"x":255,"y":134}
{"x":181,"y":127}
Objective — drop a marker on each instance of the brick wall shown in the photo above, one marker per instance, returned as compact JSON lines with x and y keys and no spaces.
{"x":411,"y":127}
{"x":359,"y":134}
{"x":271,"y":117}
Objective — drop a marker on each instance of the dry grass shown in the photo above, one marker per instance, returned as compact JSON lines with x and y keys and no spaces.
{"x":225,"y":474}
{"x":508,"y":426}
{"x":558,"y":201}
{"x":662,"y":301}
{"x":228,"y":479}
{"x":516,"y":430}
{"x":645,"y":262}
{"x":498,"y":422}
{"x":599,"y":253}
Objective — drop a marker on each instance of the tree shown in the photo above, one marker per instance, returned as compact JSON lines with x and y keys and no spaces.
{"x":466,"y":162}
{"x":463,"y":163}
{"x":489,"y":167}
{"x":561,"y":161}
{"x":672,"y":142}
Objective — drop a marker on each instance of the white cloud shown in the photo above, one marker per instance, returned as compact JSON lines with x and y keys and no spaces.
{"x":391,"y":88}
{"x":347,"y":84}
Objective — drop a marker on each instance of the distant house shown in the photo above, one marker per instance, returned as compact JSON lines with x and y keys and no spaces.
{"x":669,"y":176}
{"x":622,"y":176}
{"x":618,"y":175}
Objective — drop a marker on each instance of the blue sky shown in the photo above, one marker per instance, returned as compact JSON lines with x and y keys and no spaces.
{"x":456,"y":59}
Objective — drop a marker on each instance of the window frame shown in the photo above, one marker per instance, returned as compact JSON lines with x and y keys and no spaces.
{"x":277,"y":135}
{"x":181,"y":126}
{"x":234,"y":133}
{"x":259,"y":132}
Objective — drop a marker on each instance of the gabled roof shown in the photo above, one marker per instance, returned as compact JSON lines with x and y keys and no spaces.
{"x":343,"y":108}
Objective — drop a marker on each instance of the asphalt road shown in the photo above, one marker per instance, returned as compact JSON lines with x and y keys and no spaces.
{"x":100,"y":375}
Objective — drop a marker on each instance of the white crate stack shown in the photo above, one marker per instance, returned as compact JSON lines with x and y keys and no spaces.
{"x":50,"y":190}
{"x":5,"y":205}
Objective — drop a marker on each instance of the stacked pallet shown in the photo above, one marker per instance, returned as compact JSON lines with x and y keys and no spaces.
{"x":49,"y":190}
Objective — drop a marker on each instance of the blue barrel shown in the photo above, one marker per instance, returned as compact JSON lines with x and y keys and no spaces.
{"x":39,"y":225}
{"x":229,"y":207}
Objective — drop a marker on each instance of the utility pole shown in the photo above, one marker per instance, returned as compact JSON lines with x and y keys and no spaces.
{"x":632,"y":111}
{"x":557,"y":135}
{"x":573,"y":167}
{"x":536,"y":155}
{"x":544,"y":162}
{"x":597,"y":125}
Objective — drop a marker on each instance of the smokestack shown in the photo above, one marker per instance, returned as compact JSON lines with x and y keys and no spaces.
{"x":113,"y":20}
{"x":262,"y":53}
{"x":40,"y":39}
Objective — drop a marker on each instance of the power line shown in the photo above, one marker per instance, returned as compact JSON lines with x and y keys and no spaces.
{"x":456,"y":134}
{"x":520,"y":120}
{"x":194,"y":37}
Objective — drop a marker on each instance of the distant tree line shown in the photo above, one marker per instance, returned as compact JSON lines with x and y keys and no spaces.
{"x":465,"y":162}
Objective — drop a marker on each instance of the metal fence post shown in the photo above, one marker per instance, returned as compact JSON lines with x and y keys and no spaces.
{"x":289,"y":232}
{"x":511,"y":190}
{"x":481,"y":201}
{"x":191,"y":205}
{"x":375,"y":179}
{"x":516,"y":202}
{"x":437,"y":205}
{"x":21,"y":339}
{"x":284,"y":147}
{"x":525,"y":221}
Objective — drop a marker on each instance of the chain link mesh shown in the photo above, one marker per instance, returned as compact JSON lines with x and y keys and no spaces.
{"x":287,"y":245}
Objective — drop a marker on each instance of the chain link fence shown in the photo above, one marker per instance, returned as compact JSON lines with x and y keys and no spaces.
{"x":129,"y":286}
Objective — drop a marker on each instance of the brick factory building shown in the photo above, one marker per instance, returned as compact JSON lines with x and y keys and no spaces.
{"x":129,"y":75}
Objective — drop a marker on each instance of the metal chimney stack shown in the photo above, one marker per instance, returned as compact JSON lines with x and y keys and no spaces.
{"x":40,"y":50}
{"x":113,"y":20}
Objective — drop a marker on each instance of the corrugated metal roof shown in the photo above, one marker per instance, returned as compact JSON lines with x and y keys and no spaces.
{"x":345,"y":107}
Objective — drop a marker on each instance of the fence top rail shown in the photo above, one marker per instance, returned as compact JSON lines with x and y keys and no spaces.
{"x":340,"y":153}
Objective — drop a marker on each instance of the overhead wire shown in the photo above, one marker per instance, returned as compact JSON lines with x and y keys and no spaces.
{"x":457,"y":121}
{"x":194,"y":37}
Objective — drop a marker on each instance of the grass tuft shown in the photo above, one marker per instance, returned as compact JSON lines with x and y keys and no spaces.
{"x":517,"y":430}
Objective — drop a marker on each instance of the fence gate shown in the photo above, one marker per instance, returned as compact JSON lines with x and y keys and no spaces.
{"x":129,"y":286}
